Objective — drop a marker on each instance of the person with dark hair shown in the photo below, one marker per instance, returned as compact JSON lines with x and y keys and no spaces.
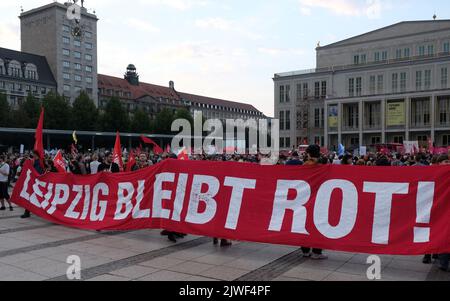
{"x":37,"y":164}
{"x":4,"y":177}
{"x":383,"y":161}
{"x":312,"y":159}
{"x":295,"y":160}
{"x":108,"y":165}
{"x":347,"y":160}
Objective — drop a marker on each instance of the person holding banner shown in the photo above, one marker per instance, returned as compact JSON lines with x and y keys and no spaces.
{"x":312,"y":159}
{"x":4,"y":176}
{"x":37,"y":164}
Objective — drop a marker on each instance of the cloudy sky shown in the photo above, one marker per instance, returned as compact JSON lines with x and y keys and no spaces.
{"x":227,"y":49}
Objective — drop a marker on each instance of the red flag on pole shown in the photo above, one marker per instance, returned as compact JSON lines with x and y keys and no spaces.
{"x":131,"y":161}
{"x":59,"y":162}
{"x":156,"y":149}
{"x":39,"y":141}
{"x":117,"y":154}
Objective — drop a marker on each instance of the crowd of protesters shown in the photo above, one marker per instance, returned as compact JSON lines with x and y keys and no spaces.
{"x":102,"y":161}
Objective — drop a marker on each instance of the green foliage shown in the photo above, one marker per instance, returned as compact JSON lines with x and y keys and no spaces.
{"x":141,"y":123}
{"x":84,"y":113}
{"x":114,"y":118}
{"x":163,"y":121}
{"x":5,"y":110}
{"x":57,"y":112}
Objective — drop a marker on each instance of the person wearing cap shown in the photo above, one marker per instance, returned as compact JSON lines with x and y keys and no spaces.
{"x":313,"y":159}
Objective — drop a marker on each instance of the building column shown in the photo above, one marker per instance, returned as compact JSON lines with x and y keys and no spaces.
{"x":433,"y":106}
{"x":340,"y":116}
{"x":325,"y":130}
{"x":383,"y":121}
{"x":408,"y":118}
{"x":360,"y":122}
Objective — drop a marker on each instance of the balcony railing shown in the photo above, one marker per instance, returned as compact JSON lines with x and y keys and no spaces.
{"x":345,"y":67}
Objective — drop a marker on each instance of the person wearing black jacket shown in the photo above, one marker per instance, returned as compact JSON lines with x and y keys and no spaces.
{"x":108,"y":165}
{"x":38,"y":167}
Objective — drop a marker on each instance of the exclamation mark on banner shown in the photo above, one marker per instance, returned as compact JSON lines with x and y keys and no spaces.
{"x":425,"y":197}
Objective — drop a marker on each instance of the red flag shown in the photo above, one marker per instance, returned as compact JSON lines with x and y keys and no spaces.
{"x":74,"y":150}
{"x":156,"y":149}
{"x":183,"y":155}
{"x":59,"y":162}
{"x":131,"y":161}
{"x":117,"y":154}
{"x":39,"y":141}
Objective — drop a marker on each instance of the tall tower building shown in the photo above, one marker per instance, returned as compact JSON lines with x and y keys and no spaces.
{"x":67,"y":37}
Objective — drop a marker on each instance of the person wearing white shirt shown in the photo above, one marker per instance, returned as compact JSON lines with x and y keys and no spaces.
{"x":4,"y":175}
{"x":93,"y":166}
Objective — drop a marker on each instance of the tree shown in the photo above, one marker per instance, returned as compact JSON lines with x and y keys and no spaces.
{"x":57,"y":112}
{"x":5,"y":111}
{"x":32,"y":109}
{"x":184,"y":114}
{"x":163,"y":121}
{"x":84,"y":113}
{"x":114,"y":117}
{"x":141,"y":122}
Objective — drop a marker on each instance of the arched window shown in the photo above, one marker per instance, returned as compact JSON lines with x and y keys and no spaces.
{"x":14,"y":69}
{"x":31,"y":72}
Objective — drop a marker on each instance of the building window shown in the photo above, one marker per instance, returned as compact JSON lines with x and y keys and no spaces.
{"x":398,"y":54}
{"x":66,"y":52}
{"x":66,"y":40}
{"x":305,"y":91}
{"x":88,"y":45}
{"x":372,"y":85}
{"x":282,"y":94}
{"x":372,"y":115}
{"x":88,"y":34}
{"x":351,"y":87}
{"x":398,"y":139}
{"x":88,"y":57}
{"x":281,"y":142}
{"x":77,"y":66}
{"x":66,"y":76}
{"x":444,"y":78}
{"x":66,"y":28}
{"x":288,"y":93}
{"x":418,"y":80}
{"x":377,"y":56}
{"x":421,"y":50}
{"x":403,"y":82}
{"x":66,"y":64}
{"x":288,"y":120}
{"x":89,"y":69}
{"x":358,"y":86}
{"x":407,"y":53}
{"x":89,"y":80}
{"x":376,"y":140}
{"x":282,"y":120}
{"x":394,"y":82}
{"x":317,"y":118}
{"x":77,"y":55}
{"x":444,"y":111}
{"x":299,"y":92}
{"x":446,"y":48}
{"x":77,"y":43}
{"x":324,"y":89}
{"x":356,"y":59}
{"x":427,"y":79}
{"x":288,"y":142}
{"x":380,"y":84}
{"x":77,"y":78}
{"x":430,"y":49}
{"x":420,"y":113}
{"x":317,"y":90}
{"x":363,"y":58}
{"x":384,"y":56}
{"x":445,"y":140}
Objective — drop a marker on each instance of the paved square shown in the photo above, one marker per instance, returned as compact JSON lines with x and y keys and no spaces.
{"x":34,"y":250}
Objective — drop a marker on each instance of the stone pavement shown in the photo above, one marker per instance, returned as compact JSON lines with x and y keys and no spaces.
{"x":34,"y":249}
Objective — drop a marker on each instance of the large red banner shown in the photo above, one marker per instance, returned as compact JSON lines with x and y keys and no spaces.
{"x":376,"y":210}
